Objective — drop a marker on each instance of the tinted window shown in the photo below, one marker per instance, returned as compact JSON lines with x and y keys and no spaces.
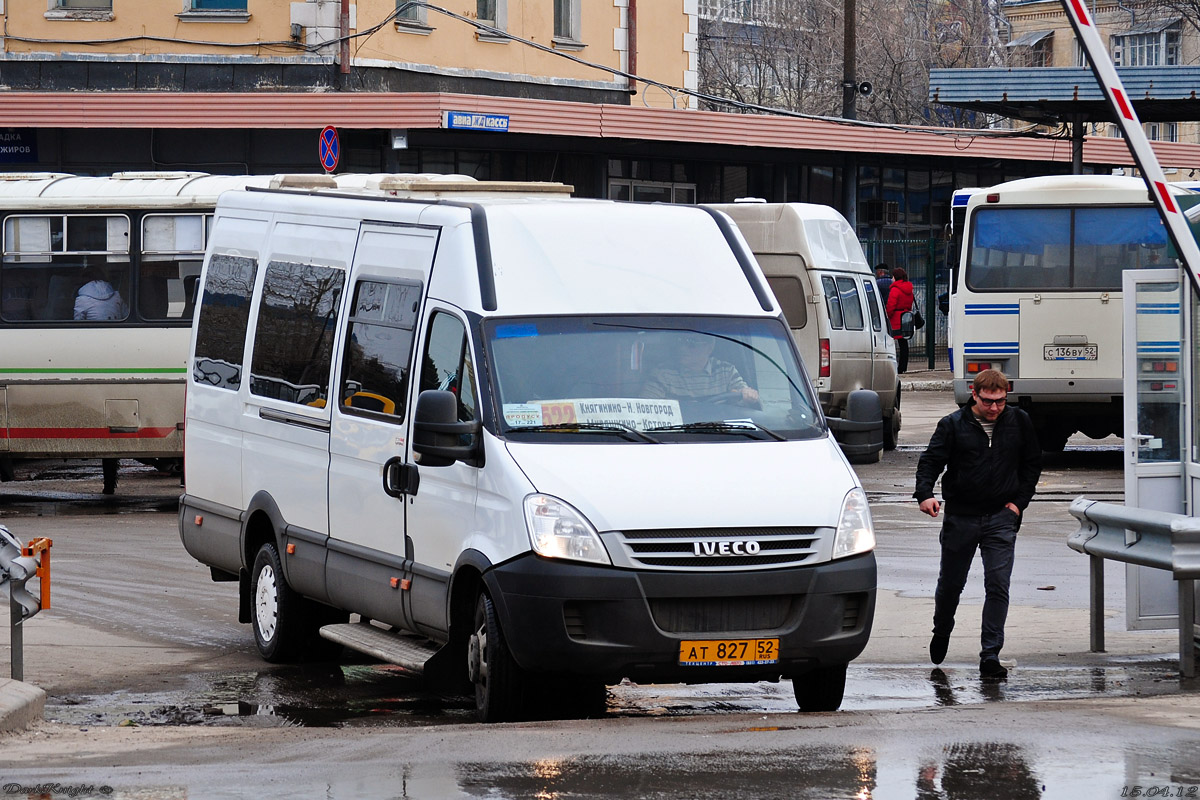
{"x":832,"y":301}
{"x":790,"y":295}
{"x":379,"y":347}
{"x":224,"y":315}
{"x":872,"y":305}
{"x":293,"y":345}
{"x":447,"y":363}
{"x":1062,"y":248}
{"x":851,"y":308}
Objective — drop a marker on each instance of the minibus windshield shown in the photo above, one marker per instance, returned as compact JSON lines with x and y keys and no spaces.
{"x":649,"y":380}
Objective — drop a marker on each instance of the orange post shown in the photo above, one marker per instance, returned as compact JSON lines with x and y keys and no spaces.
{"x":36,"y":546}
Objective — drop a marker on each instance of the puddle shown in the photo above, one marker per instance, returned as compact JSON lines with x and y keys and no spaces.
{"x":370,"y":695}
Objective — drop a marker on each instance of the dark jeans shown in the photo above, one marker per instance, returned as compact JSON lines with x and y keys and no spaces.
{"x":995,"y":536}
{"x":902,"y":355}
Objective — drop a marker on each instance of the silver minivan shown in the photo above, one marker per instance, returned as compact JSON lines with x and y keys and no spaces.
{"x":817,"y":269}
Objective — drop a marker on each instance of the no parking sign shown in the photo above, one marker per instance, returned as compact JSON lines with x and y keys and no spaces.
{"x":329,"y":148}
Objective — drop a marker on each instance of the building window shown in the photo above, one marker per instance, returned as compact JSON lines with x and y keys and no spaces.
{"x":566,"y":20}
{"x":214,"y":11}
{"x":1162,"y":131}
{"x":409,"y":12}
{"x":1153,"y":46}
{"x":1033,"y":49}
{"x":89,"y":5}
{"x":485,"y":11}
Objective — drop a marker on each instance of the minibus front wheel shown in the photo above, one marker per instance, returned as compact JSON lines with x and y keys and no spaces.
{"x":820,"y":689}
{"x":500,"y":683}
{"x":275,"y":608}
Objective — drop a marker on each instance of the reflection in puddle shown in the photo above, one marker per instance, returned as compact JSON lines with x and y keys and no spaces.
{"x":372,"y":694}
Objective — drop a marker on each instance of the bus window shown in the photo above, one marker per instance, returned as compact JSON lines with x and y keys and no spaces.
{"x":172,"y":254}
{"x":65,"y":267}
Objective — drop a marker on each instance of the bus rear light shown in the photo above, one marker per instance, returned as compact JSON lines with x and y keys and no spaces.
{"x":1160,"y":366}
{"x":823,"y":371}
{"x":978,"y":366}
{"x":994,"y":197}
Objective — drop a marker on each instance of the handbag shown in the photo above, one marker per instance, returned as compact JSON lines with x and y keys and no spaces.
{"x":918,"y":321}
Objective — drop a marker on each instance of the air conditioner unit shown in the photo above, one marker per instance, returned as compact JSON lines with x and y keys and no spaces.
{"x":883,"y":212}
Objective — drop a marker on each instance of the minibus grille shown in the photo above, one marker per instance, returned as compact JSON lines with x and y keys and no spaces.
{"x":723,"y":614}
{"x":715,"y":549}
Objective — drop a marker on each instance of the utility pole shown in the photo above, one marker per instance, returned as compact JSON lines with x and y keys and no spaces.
{"x":849,"y":92}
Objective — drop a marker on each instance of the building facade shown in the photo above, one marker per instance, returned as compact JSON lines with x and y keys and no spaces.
{"x":1138,"y":34}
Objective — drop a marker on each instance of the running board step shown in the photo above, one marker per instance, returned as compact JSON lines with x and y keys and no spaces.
{"x":402,"y":649}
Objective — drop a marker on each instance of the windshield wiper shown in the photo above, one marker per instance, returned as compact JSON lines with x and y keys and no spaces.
{"x":624,"y":431}
{"x":720,"y":426}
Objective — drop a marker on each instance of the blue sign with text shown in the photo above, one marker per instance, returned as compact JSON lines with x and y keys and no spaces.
{"x":471,"y":121}
{"x":18,"y":145}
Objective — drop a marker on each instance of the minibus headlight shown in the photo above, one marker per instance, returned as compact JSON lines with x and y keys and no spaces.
{"x":855,"y":531}
{"x":557,"y":530}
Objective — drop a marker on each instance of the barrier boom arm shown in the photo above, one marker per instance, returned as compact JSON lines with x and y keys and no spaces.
{"x":1139,"y":145}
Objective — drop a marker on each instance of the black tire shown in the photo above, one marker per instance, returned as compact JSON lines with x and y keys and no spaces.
{"x":821,"y":689}
{"x":1054,"y":440}
{"x":277,"y":614}
{"x":891,"y":425}
{"x":500,"y":684}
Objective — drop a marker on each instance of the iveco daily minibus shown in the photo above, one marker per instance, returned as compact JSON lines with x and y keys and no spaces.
{"x":533,"y":444}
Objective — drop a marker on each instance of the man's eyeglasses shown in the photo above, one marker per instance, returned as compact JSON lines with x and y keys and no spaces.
{"x":991,"y":401}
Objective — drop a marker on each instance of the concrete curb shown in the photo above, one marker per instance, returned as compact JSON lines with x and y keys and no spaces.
{"x":926,"y":385}
{"x":21,"y":704}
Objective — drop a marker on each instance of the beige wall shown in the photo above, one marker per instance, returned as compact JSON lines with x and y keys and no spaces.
{"x":447,"y":44}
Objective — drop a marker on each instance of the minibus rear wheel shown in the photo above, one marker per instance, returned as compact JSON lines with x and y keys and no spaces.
{"x":821,"y":689}
{"x":276,"y":610}
{"x":500,"y":683}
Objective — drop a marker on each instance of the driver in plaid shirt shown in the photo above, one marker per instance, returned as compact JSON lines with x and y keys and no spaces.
{"x":698,"y":374}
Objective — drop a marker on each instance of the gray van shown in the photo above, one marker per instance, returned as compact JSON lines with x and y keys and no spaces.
{"x":817,"y":269}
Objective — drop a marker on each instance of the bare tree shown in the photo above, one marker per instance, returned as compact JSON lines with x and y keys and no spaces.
{"x":788,"y":54}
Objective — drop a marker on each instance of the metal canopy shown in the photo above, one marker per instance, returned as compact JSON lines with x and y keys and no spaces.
{"x":1049,"y":95}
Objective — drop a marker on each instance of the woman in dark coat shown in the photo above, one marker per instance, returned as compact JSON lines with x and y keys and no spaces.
{"x":900,"y":299}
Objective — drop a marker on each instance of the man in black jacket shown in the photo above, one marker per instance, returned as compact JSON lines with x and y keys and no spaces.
{"x":992,"y":461}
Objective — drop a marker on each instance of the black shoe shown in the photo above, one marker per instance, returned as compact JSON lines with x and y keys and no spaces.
{"x":937,"y":648}
{"x":992,"y":668}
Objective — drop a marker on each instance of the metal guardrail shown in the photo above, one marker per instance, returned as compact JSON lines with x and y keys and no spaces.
{"x":1155,"y":539}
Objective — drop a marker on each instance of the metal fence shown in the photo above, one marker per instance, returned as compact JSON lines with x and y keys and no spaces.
{"x":924,"y":261}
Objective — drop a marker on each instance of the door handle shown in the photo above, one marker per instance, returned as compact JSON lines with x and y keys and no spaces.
{"x":400,"y":479}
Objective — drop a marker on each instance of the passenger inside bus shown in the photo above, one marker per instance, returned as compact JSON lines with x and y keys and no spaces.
{"x":97,"y":299}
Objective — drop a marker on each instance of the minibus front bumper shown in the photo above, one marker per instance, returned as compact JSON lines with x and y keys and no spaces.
{"x":609,"y":623}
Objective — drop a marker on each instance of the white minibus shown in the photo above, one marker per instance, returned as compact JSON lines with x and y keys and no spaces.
{"x":533,"y":444}
{"x":1038,"y":295}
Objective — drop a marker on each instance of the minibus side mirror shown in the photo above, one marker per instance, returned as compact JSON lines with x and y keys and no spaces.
{"x":438,"y":433}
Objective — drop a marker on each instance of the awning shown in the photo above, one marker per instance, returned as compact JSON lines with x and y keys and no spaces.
{"x":1156,"y":26}
{"x":1030,"y":39}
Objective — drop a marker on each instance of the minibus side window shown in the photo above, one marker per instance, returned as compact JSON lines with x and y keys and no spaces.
{"x":224,"y":317}
{"x":447,"y":363}
{"x":851,"y":308}
{"x":293,"y":344}
{"x":790,"y":295}
{"x":872,"y":304}
{"x":833,"y":301}
{"x":379,"y":347}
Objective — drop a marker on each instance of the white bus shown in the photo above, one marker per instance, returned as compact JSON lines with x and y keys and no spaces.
{"x":1038,"y":295}
{"x":97,"y":288}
